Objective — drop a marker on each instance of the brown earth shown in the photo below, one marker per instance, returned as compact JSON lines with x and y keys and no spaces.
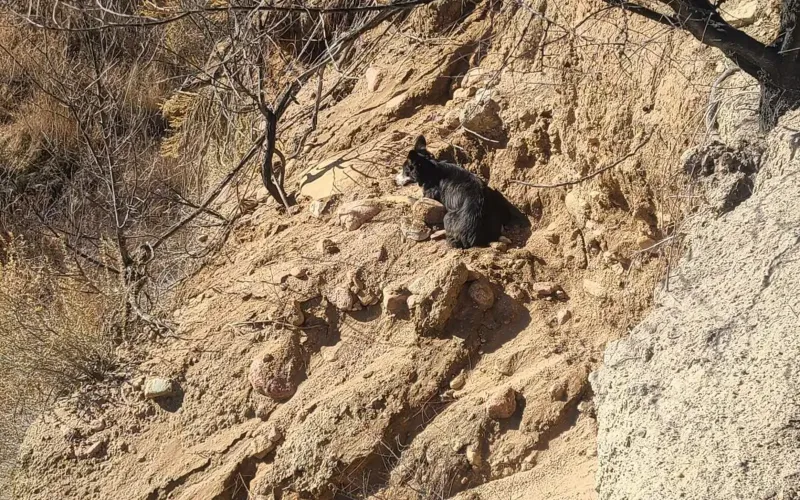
{"x":361,"y":403}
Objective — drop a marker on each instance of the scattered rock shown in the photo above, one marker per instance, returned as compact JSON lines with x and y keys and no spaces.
{"x":475,"y":77}
{"x":577,"y":207}
{"x":374,"y":77}
{"x":516,"y":292}
{"x":396,"y":104}
{"x":394,"y":300}
{"x":326,"y":246}
{"x":502,"y":404}
{"x":451,"y":120}
{"x":458,"y":381}
{"x":438,"y":235}
{"x":158,"y":387}
{"x":429,"y":211}
{"x":742,"y":15}
{"x":262,"y":445}
{"x":481,"y":294}
{"x":381,"y":254}
{"x":482,"y":117}
{"x":274,"y":371}
{"x":295,"y":315}
{"x":463,"y":94}
{"x":558,"y":391}
{"x":437,"y":289}
{"x":343,"y":299}
{"x":354,"y":214}
{"x":299,"y":272}
{"x":473,"y":456}
{"x":317,"y":207}
{"x":546,"y":289}
{"x":594,"y":288}
{"x":91,"y":450}
{"x":563,"y":316}
{"x":505,"y":240}
{"x":367,"y":298}
{"x":414,"y":230}
{"x":97,"y":425}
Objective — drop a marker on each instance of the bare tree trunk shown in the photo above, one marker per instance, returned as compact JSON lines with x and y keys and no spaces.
{"x":776,"y":66}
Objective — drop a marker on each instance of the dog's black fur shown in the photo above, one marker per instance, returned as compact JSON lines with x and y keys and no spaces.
{"x":476,"y":213}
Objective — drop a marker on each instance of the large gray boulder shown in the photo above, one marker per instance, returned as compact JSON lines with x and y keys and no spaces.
{"x":702,"y":400}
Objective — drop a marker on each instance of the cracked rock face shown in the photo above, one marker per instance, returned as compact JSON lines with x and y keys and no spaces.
{"x":700,"y":402}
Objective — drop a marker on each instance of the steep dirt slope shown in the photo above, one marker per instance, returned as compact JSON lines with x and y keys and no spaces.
{"x":298,"y":368}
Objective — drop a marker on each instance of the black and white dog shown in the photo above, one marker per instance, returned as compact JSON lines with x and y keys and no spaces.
{"x":476,"y":213}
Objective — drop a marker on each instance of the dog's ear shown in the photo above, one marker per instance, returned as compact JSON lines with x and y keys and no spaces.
{"x":421,"y":144}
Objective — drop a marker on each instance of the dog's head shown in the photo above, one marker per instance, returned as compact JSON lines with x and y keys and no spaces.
{"x":415,"y":164}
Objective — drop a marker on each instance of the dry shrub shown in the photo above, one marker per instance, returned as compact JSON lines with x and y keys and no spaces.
{"x":53,"y":334}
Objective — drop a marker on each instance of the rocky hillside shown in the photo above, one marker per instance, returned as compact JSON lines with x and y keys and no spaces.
{"x":342,"y":350}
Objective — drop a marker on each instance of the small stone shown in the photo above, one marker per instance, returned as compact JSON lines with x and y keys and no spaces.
{"x":299,"y":272}
{"x":558,"y":391}
{"x":463,"y":94}
{"x":343,"y":299}
{"x":473,"y":275}
{"x":504,"y":239}
{"x":317,"y":208}
{"x":438,"y":235}
{"x":458,"y":381}
{"x":515,"y":292}
{"x":202,"y":238}
{"x":374,"y":77}
{"x":394,"y":300}
{"x":545,"y":288}
{"x":429,"y":211}
{"x":395,"y":104}
{"x":481,"y":294}
{"x":473,"y":456}
{"x":330,"y":353}
{"x":594,"y":288}
{"x":92,"y":450}
{"x":577,"y":207}
{"x":367,"y":298}
{"x":451,"y":120}
{"x":275,"y":369}
{"x":368,"y":374}
{"x":563,"y":316}
{"x":295,"y":315}
{"x":262,"y":445}
{"x":326,"y":246}
{"x":475,"y":76}
{"x":355,"y":214}
{"x":482,"y":117}
{"x":502,"y":404}
{"x":158,"y":387}
{"x":97,"y":425}
{"x":414,"y":230}
{"x":742,"y":15}
{"x":381,"y":254}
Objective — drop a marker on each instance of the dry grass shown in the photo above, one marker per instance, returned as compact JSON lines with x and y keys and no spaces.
{"x":53,"y":334}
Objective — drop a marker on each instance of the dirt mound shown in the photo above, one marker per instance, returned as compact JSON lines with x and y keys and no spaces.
{"x":339,"y":352}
